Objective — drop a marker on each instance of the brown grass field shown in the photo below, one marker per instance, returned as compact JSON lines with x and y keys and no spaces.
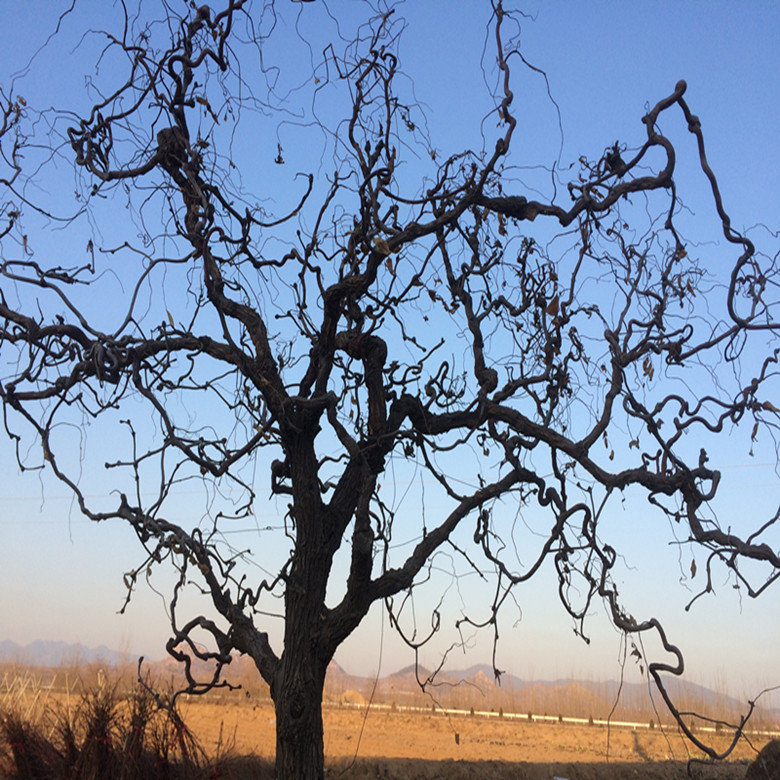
{"x":362,"y":743}
{"x":234,"y":739}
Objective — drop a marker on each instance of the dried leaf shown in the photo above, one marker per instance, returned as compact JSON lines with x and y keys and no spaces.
{"x":693,"y":568}
{"x":205,"y":103}
{"x":382,"y":246}
{"x":633,"y":443}
{"x":770,"y":407}
{"x":170,"y":317}
{"x":553,"y":306}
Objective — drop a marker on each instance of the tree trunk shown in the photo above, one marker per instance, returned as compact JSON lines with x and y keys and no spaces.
{"x":298,"y":702}
{"x":300,"y":676}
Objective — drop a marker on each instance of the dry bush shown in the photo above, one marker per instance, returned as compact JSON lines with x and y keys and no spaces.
{"x":24,"y":747}
{"x":108,"y":735}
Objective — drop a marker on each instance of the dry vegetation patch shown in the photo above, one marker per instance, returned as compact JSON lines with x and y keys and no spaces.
{"x":362,"y":743}
{"x":116,"y":731}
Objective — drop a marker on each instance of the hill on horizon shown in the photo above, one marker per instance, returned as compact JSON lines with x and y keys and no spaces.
{"x":473,"y":688}
{"x":50,"y":653}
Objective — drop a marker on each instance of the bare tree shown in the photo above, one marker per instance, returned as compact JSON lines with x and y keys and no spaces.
{"x":388,"y":321}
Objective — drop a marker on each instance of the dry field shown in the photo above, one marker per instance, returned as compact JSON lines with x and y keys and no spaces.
{"x":388,"y":744}
{"x":237,"y":733}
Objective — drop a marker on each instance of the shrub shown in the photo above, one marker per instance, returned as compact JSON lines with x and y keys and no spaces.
{"x":103,"y":736}
{"x":27,"y":748}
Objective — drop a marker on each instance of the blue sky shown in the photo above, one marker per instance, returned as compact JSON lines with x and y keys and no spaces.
{"x":605,"y":64}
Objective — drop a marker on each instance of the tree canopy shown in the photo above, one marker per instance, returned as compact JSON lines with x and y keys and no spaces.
{"x":270,"y":281}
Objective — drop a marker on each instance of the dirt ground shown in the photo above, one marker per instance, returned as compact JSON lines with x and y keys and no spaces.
{"x":388,"y":744}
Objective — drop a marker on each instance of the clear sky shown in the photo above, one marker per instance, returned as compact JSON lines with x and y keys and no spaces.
{"x":606,"y":63}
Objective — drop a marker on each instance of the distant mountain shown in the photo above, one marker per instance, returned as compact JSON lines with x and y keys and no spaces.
{"x":474,"y":688}
{"x":46,"y":653}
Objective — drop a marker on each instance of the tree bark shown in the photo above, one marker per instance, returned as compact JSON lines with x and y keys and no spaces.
{"x":298,"y":703}
{"x":300,"y":676}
